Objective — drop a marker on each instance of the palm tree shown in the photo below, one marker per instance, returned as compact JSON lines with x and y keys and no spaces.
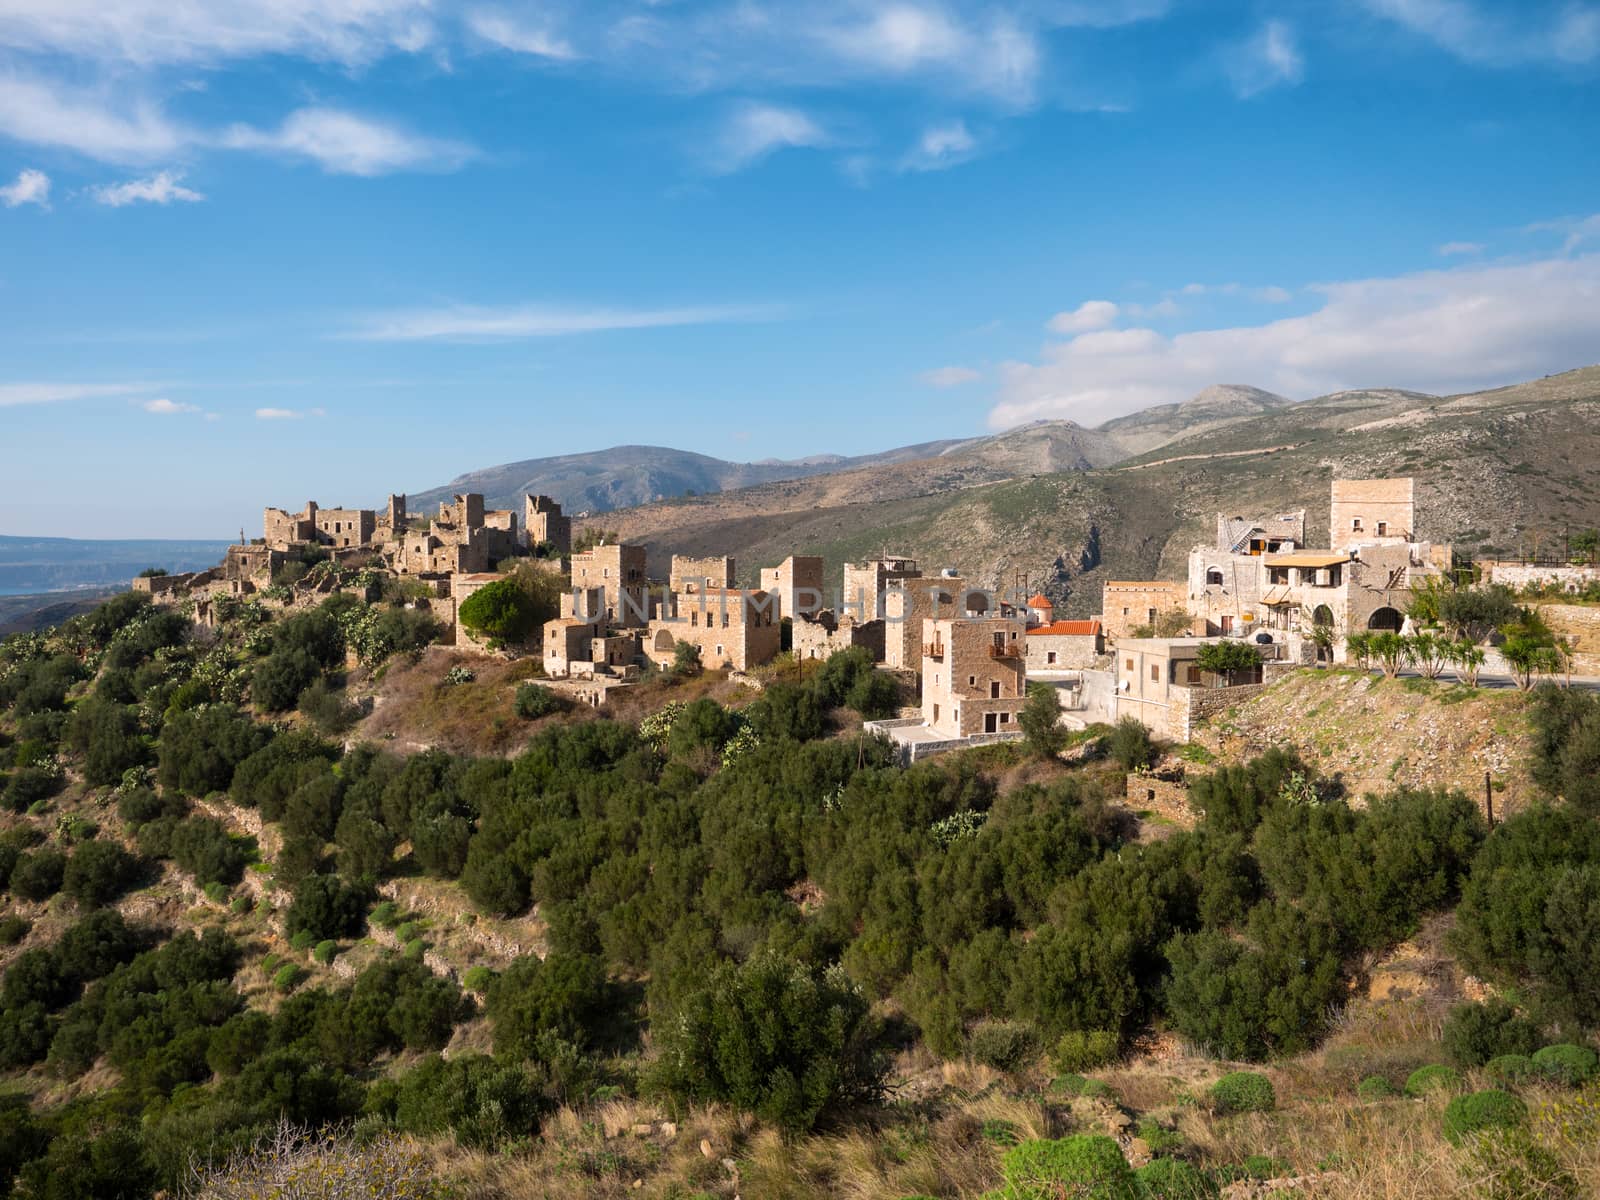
{"x":1391,"y":651}
{"x":1467,"y":657}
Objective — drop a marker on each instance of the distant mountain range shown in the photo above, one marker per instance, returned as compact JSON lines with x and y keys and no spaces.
{"x":628,"y":476}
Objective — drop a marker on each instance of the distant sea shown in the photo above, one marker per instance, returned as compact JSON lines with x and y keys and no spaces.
{"x":31,"y":565}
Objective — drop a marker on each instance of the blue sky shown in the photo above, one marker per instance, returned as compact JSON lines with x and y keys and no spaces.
{"x":253,"y":251}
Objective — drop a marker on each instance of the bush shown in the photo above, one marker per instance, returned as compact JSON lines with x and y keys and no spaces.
{"x":1085,"y":1049}
{"x":325,"y":951}
{"x":1242,"y":1092}
{"x":1566,"y":1064}
{"x":1129,"y":744}
{"x":478,"y":979}
{"x":1476,"y":1033}
{"x":281,"y":677}
{"x":500,"y":612}
{"x":1376,"y":1087}
{"x":535,"y":701}
{"x":1173,"y":1179}
{"x":1432,"y":1078}
{"x":778,"y":1038}
{"x":1088,"y":1165}
{"x":1079,"y":1085}
{"x":1511,"y":1068}
{"x":482,"y":1102}
{"x":13,"y":929}
{"x":303,"y":940}
{"x":324,"y":907}
{"x":1003,"y":1045}
{"x":37,"y":876}
{"x":98,"y":872}
{"x":1482,"y":1110}
{"x":565,"y":996}
{"x":1040,"y":720}
{"x":286,"y":977}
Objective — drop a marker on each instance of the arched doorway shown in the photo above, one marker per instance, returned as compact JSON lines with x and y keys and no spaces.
{"x":663,"y":642}
{"x":1322,"y":632}
{"x":1214,"y":577}
{"x":1386,"y":620}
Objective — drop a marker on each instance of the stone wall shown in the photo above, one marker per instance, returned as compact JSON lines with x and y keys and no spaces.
{"x":1358,"y":507}
{"x":1193,"y":705}
{"x":825,"y":636}
{"x":1581,"y":623}
{"x":695,"y":574}
{"x":1521,"y":575}
{"x":907,"y":606}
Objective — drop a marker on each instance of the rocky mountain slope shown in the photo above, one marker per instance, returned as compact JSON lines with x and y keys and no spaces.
{"x":1501,"y":471}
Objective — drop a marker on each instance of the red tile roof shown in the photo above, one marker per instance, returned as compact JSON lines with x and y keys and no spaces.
{"x":1040,"y":600}
{"x":1066,"y":629}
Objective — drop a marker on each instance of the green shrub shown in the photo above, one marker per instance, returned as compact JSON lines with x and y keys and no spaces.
{"x":1081,"y":1050}
{"x":240,"y":905}
{"x":1376,"y":1087}
{"x":1264,"y":1166}
{"x":303,"y":939}
{"x":1482,"y":1110}
{"x":1158,"y":1137}
{"x":1566,"y":1064}
{"x":1475,"y":1033}
{"x":1003,"y":1045}
{"x":500,"y":611}
{"x":386,"y":915}
{"x":534,"y":701}
{"x":1129,"y":744}
{"x":1078,"y":1085}
{"x":416,"y":948}
{"x":1243,"y":1091}
{"x":325,"y":951}
{"x":1173,"y":1179}
{"x":37,"y":876}
{"x":216,"y":892}
{"x":1432,"y":1078}
{"x":1088,"y":1165}
{"x":286,"y":977}
{"x":98,"y":872}
{"x":477,"y":979}
{"x":1511,"y":1068}
{"x":13,"y":929}
{"x":1513,"y":1166}
{"x":408,"y":931}
{"x":1000,"y":1133}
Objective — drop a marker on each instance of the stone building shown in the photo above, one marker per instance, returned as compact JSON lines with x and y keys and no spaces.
{"x":545,"y":525}
{"x":1064,"y":646}
{"x":797,"y":583}
{"x":316,"y":526}
{"x":1368,"y":588}
{"x":619,"y":572}
{"x":866,"y":582}
{"x":461,"y":587}
{"x":1226,"y":579}
{"x":824,"y":635}
{"x":907,"y":603}
{"x":973,"y":675}
{"x":1372,"y":512}
{"x":690,"y":575}
{"x":1127,"y":604}
{"x":567,"y":640}
{"x":733,"y":628}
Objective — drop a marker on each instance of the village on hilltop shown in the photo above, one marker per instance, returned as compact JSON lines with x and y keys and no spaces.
{"x":970,"y":650}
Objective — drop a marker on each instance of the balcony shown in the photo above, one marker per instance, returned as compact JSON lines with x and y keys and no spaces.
{"x":1005,"y":650}
{"x":932,"y":649}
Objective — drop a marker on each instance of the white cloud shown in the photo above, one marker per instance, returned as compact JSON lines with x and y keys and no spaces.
{"x":986,"y":54}
{"x":278,"y":414}
{"x":1450,"y":249}
{"x":31,"y":187}
{"x":1269,"y":59}
{"x":13,"y":394}
{"x":1436,"y":331}
{"x":754,"y":131}
{"x":1500,"y":39}
{"x":1270,"y":294}
{"x":161,"y":188}
{"x":343,"y":143}
{"x":941,"y":146}
{"x":153,"y":32}
{"x":949,"y":377}
{"x":466,"y":323}
{"x":115,"y":128}
{"x":1576,"y":230}
{"x":168,"y":408}
{"x":1091,"y":314}
{"x":500,"y":30}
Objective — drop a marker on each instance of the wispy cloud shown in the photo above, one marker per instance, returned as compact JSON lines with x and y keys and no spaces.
{"x":753,"y":131}
{"x":156,"y":32}
{"x":1450,"y":249}
{"x":163,"y":407}
{"x":288,"y":414}
{"x":1512,"y":36}
{"x":161,"y":188}
{"x":1436,"y":331}
{"x":344,"y":143}
{"x":1575,"y":230}
{"x":1091,"y":314}
{"x":13,"y":394}
{"x":941,"y":147}
{"x":31,"y":187}
{"x":501,"y":30}
{"x":949,"y":377}
{"x":93,"y":122}
{"x":468,"y":323}
{"x":1270,"y":58}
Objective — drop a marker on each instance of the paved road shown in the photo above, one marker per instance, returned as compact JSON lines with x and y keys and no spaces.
{"x":1498,"y":682}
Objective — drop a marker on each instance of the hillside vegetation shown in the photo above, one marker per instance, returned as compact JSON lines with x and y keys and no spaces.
{"x":729,"y":949}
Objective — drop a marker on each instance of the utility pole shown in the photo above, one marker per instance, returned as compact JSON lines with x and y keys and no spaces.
{"x":1488,"y":797}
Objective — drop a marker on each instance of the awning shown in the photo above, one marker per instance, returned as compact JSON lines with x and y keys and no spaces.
{"x":1311,"y":558}
{"x":1276,"y":595}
